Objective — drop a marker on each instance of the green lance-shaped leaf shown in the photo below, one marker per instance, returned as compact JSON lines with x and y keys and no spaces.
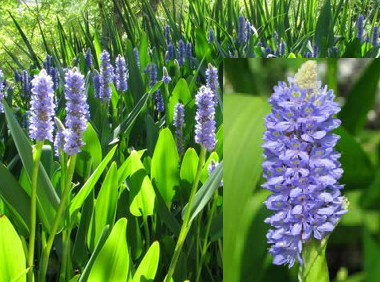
{"x":148,"y":266}
{"x":314,"y":268}
{"x":142,"y":197}
{"x":165,"y":168}
{"x":105,"y":207}
{"x":112,"y":262}
{"x":12,"y":256}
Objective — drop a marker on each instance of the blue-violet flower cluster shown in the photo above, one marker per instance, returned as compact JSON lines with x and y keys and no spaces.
{"x":42,"y":107}
{"x":106,"y":77}
{"x":178,"y":122}
{"x":76,"y":111}
{"x":205,"y":118}
{"x":121,"y":74}
{"x":301,"y":165}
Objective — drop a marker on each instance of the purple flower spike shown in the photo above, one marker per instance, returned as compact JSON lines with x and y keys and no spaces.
{"x":137,"y":56}
{"x":106,"y":77}
{"x":25,"y":82}
{"x":375,"y":36}
{"x":121,"y":74}
{"x":242,"y":35}
{"x":178,"y":122}
{"x":211,"y":35}
{"x":42,"y":107}
{"x":1,"y":92}
{"x":301,"y":165}
{"x":181,"y":52}
{"x":88,"y":58}
{"x":77,"y":111}
{"x":96,"y":81}
{"x":360,"y":28}
{"x":205,"y":118}
{"x":189,"y":52}
{"x":212,"y":80}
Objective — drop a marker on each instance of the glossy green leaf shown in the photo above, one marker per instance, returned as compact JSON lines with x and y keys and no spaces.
{"x":361,"y":99}
{"x":324,"y":33}
{"x":47,"y":199}
{"x":104,"y":212}
{"x":371,"y":257}
{"x":12,"y":256}
{"x":94,"y":255}
{"x":112,"y":262}
{"x":15,"y":198}
{"x":79,"y":198}
{"x":124,"y":171}
{"x":205,"y":193}
{"x":142,"y":197}
{"x":358,"y":169}
{"x":314,"y":267}
{"x":243,"y":131}
{"x":165,"y":165}
{"x":148,"y":266}
{"x":189,"y":165}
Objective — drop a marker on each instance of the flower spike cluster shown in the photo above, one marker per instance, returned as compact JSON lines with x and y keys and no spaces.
{"x":301,"y":165}
{"x":121,"y":74}
{"x":178,"y":122}
{"x":42,"y":107}
{"x":106,"y":77}
{"x":76,"y":111}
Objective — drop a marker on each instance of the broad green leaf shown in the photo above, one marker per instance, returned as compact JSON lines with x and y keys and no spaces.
{"x":165,"y":165}
{"x":148,"y":266}
{"x":104,"y":212}
{"x":79,"y":198}
{"x":205,"y":193}
{"x":12,"y":256}
{"x":243,"y":131}
{"x":15,"y":198}
{"x":91,"y":153}
{"x":361,"y":99}
{"x":94,"y":255}
{"x":47,"y":199}
{"x":124,"y":171}
{"x":314,"y":268}
{"x":358,"y":169}
{"x":181,"y":93}
{"x":142,"y":196}
{"x":112,"y":262}
{"x":371,"y":259}
{"x":189,"y":165}
{"x":204,"y":175}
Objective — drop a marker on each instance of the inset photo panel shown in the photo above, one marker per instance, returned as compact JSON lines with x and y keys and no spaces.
{"x":301,"y":178}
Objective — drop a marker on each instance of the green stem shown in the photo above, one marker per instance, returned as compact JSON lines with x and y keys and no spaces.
{"x":186,"y":222}
{"x":147,"y":234}
{"x":33,"y":207}
{"x":205,"y":242}
{"x":57,"y":219}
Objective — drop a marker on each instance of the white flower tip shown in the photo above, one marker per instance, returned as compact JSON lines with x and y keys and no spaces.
{"x":306,"y":77}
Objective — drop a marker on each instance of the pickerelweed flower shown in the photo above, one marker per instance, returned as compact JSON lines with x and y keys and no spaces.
{"x":165,"y":76}
{"x":55,"y":77}
{"x":360,"y":28}
{"x":181,"y":52}
{"x":156,"y":95}
{"x":17,"y":76}
{"x":189,"y":53}
{"x":211,"y":167}
{"x":96,"y":81}
{"x":47,"y":64}
{"x":137,"y":56}
{"x":301,"y":165}
{"x":212,"y":80}
{"x":315,"y":51}
{"x":205,"y":118}
{"x":282,"y":47}
{"x":167,"y":34}
{"x":242,"y":35}
{"x":106,"y":77}
{"x":76,"y":111}
{"x":42,"y":107}
{"x":178,"y":122}
{"x":121,"y":74}
{"x":308,"y":55}
{"x":171,"y":51}
{"x":1,"y":92}
{"x":375,"y":36}
{"x":88,"y":58}
{"x":211,"y":35}
{"x":248,"y":28}
{"x":25,"y":84}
